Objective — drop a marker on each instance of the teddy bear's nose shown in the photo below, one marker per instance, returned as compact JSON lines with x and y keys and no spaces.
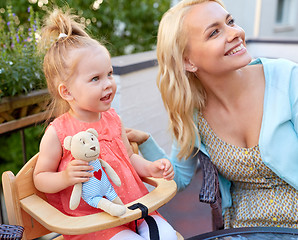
{"x":93,"y":148}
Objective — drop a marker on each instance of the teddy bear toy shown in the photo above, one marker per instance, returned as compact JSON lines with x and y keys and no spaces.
{"x":98,"y":192}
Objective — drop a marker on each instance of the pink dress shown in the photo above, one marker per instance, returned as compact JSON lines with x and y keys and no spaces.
{"x":113,"y":151}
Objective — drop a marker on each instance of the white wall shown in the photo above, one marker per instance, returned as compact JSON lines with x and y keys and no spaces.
{"x":138,"y":100}
{"x":244,"y":12}
{"x":274,"y":50}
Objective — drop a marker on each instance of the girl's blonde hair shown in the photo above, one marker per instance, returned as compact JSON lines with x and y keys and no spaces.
{"x":181,"y":91}
{"x":61,"y":34}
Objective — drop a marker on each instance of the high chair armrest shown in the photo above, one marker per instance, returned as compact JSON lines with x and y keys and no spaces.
{"x":56,"y":221}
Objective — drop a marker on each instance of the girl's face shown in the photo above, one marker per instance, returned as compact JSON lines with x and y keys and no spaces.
{"x":92,"y":86}
{"x":216,"y":44}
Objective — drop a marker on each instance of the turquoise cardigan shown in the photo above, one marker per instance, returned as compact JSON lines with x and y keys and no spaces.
{"x":278,"y":141}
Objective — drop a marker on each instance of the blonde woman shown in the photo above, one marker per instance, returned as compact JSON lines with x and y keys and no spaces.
{"x":243,"y":114}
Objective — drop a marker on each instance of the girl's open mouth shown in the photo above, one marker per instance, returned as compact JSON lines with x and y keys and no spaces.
{"x":107,"y":97}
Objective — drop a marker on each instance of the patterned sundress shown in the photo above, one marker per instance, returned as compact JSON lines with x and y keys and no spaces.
{"x":259,"y":196}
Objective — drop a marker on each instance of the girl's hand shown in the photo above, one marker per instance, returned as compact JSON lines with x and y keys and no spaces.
{"x":162,"y":168}
{"x":77,"y":171}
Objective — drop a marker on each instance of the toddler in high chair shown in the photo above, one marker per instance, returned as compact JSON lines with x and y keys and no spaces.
{"x":79,"y":77}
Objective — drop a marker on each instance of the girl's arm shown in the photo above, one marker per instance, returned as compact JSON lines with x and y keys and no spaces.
{"x":161,"y":168}
{"x":45,"y":176}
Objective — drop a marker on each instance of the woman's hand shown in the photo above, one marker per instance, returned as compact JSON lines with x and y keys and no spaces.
{"x":137,"y":136}
{"x":162,"y":168}
{"x":77,"y":171}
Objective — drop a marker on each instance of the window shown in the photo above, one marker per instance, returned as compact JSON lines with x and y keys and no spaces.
{"x":286,"y":12}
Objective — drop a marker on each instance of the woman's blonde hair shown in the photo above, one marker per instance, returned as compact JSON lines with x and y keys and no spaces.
{"x":61,"y":34}
{"x":181,"y":91}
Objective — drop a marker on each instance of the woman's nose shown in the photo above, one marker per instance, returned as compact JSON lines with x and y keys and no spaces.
{"x":234,"y":32}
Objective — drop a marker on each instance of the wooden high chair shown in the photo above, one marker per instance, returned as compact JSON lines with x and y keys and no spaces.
{"x":28,"y":207}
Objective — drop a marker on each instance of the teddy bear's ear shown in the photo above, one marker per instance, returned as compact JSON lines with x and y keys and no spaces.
{"x":67,"y":142}
{"x":93,"y":131}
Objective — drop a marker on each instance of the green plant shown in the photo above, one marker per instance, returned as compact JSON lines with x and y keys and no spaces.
{"x":125,"y":26}
{"x":20,"y":65}
{"x":11,"y":156}
{"x":129,"y":26}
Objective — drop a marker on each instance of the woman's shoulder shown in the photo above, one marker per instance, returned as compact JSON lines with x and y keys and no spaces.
{"x":278,"y":72}
{"x":277,"y":64}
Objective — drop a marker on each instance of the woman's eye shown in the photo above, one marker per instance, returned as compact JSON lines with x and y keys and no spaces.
{"x":95,"y":79}
{"x":213,"y":33}
{"x":231,"y":21}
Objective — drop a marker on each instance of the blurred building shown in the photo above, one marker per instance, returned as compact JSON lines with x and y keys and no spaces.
{"x":264,"y":18}
{"x":269,"y":19}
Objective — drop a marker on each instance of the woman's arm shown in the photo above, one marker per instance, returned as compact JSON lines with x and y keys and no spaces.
{"x":184,"y":169}
{"x":160,"y":168}
{"x":294,"y":97}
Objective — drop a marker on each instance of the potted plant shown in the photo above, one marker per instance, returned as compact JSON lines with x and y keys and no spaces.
{"x":22,"y":94}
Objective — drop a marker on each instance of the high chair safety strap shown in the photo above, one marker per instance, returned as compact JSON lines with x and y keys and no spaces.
{"x":153,"y":228}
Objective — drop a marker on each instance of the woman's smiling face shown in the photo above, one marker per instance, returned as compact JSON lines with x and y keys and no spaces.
{"x":216,"y":44}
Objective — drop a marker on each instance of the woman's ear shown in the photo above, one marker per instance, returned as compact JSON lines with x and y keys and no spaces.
{"x":64,"y":93}
{"x":189,"y":66}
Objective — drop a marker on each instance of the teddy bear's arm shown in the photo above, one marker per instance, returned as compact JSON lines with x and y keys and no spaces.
{"x":111,"y":172}
{"x":75,"y":197}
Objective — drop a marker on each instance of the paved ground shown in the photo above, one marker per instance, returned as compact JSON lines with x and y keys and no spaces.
{"x":186,"y":213}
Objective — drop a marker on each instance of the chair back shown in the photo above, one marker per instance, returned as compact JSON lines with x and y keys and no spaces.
{"x":16,"y":188}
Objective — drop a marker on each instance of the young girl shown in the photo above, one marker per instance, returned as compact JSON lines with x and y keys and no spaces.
{"x":80,"y":78}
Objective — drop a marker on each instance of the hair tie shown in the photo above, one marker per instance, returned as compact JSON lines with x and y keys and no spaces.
{"x":62,"y":35}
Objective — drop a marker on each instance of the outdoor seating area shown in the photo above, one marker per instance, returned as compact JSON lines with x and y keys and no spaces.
{"x":190,"y":218}
{"x":195,"y":213}
{"x":214,"y":78}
